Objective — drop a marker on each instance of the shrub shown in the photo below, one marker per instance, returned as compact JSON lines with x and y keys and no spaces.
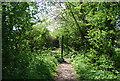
{"x":38,"y":67}
{"x":102,"y":69}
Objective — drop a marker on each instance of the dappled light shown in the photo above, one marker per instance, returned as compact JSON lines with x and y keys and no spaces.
{"x":61,"y":41}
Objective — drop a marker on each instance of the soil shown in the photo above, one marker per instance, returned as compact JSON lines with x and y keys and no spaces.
{"x":65,"y":72}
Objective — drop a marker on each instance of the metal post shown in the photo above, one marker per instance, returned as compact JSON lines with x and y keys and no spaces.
{"x":62,"y":46}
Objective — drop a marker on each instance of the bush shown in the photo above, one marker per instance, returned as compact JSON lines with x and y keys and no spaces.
{"x":42,"y":67}
{"x":101,"y":69}
{"x":116,"y":58}
{"x":38,"y":67}
{"x":100,"y":41}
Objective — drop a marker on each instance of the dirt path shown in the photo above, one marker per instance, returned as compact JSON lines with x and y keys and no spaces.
{"x":54,"y":50}
{"x":65,"y":72}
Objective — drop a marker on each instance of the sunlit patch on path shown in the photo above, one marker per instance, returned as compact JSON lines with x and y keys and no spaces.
{"x":65,"y":72}
{"x":54,"y":50}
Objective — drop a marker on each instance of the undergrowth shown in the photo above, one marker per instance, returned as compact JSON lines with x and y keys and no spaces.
{"x":103,"y":68}
{"x":38,"y":66}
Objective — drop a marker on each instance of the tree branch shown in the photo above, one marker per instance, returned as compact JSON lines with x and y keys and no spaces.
{"x":76,"y":22}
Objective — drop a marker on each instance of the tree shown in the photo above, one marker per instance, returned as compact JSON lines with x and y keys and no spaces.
{"x":90,"y":26}
{"x":16,"y":20}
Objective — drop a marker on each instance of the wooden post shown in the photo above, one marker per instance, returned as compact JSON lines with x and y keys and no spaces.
{"x":62,"y":46}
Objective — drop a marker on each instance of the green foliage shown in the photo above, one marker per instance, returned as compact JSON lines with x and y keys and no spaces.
{"x":86,"y":18}
{"x":39,"y":37}
{"x":116,"y":58}
{"x":100,"y":41}
{"x":24,"y":43}
{"x":90,"y":40}
{"x":98,"y":70}
{"x":38,"y":67}
{"x":42,"y":67}
{"x":15,"y":21}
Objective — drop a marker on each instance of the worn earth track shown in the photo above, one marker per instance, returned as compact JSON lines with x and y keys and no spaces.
{"x":65,"y":72}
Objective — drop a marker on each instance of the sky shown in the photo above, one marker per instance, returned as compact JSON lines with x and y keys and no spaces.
{"x":50,"y":11}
